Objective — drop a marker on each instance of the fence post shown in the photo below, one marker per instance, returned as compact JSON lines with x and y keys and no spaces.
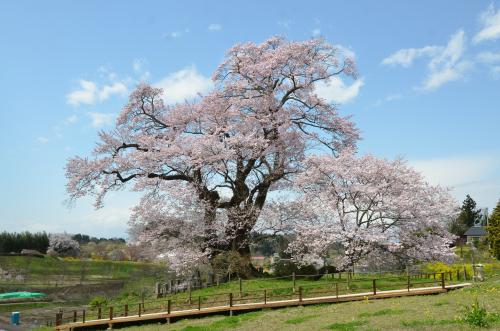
{"x":126,"y":309}
{"x":83,"y":316}
{"x":74,"y":316}
{"x":190,"y":298}
{"x":199,"y":302}
{"x":374,"y":286}
{"x":293,"y":279}
{"x":265,"y":297}
{"x":241,"y":288}
{"x":337,"y":289}
{"x":158,"y":290}
{"x":140,"y":306}
{"x":58,"y":318}
{"x":110,"y":313}
{"x":408,"y":283}
{"x":458,"y":275}
{"x":169,"y":306}
{"x":230,"y":304}
{"x":300,"y":293}
{"x":99,"y":313}
{"x":465,"y":273}
{"x":442,"y":280}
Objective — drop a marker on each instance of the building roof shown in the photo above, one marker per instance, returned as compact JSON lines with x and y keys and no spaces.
{"x":476,"y":231}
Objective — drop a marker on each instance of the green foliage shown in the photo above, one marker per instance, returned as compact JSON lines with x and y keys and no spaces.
{"x":98,"y":301}
{"x":468,"y":216}
{"x":286,"y":268}
{"x":494,"y":232}
{"x":85,"y":239}
{"x":230,"y":263}
{"x":16,"y":242}
{"x":475,"y":315}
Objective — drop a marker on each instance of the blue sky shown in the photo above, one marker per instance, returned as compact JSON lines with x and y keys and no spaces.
{"x":429,"y":86}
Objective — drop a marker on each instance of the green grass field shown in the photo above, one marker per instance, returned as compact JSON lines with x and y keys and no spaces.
{"x":440,"y":312}
{"x":41,"y":270}
{"x":62,"y":278}
{"x":433,"y":312}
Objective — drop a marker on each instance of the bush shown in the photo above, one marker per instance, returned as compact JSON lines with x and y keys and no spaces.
{"x":286,"y":268}
{"x":476,"y":315}
{"x":231,"y":263}
{"x":98,"y":301}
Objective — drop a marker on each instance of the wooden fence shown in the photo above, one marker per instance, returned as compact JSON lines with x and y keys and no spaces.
{"x":331,"y":289}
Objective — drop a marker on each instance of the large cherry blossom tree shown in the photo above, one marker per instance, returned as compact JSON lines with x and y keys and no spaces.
{"x":368,"y":208}
{"x":206,"y":167}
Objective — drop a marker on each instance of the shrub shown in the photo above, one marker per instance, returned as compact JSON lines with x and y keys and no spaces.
{"x":475,"y":315}
{"x":286,"y":268}
{"x":98,"y":301}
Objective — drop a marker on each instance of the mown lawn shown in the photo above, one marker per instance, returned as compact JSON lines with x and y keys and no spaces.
{"x":434,"y":312}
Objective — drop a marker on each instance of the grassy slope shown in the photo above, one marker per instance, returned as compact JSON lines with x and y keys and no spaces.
{"x":42,"y":272}
{"x":437,"y":312}
{"x":41,"y":269}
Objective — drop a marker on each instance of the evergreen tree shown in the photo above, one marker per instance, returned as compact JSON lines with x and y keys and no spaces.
{"x":469,"y":215}
{"x":494,"y":231}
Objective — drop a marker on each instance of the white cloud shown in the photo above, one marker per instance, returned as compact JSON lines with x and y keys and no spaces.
{"x":336,"y":91}
{"x":445,"y":64}
{"x":316,"y":32}
{"x":457,"y":170}
{"x":89,"y":93}
{"x":43,"y":140}
{"x":490,"y":25}
{"x":473,"y":174}
{"x":495,"y":72}
{"x":214,"y":27}
{"x":176,"y":34}
{"x":406,"y":56}
{"x":138,"y":66}
{"x":488,"y":57}
{"x":451,"y":53}
{"x":388,"y":98}
{"x":392,"y":97}
{"x":491,"y":60}
{"x":71,"y":119}
{"x":184,"y":84}
{"x":101,"y":119}
{"x":108,"y":90}
{"x":85,"y":95}
{"x":346,"y":51}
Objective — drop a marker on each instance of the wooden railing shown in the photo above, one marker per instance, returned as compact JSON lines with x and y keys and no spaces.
{"x":331,"y":286}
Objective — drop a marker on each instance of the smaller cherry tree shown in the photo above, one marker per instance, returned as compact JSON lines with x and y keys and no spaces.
{"x":62,"y":244}
{"x":368,"y":209}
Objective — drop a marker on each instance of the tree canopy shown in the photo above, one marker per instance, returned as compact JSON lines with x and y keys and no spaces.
{"x":207,"y":166}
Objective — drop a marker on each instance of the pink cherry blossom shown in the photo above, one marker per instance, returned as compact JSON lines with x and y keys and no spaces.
{"x":220,"y":156}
